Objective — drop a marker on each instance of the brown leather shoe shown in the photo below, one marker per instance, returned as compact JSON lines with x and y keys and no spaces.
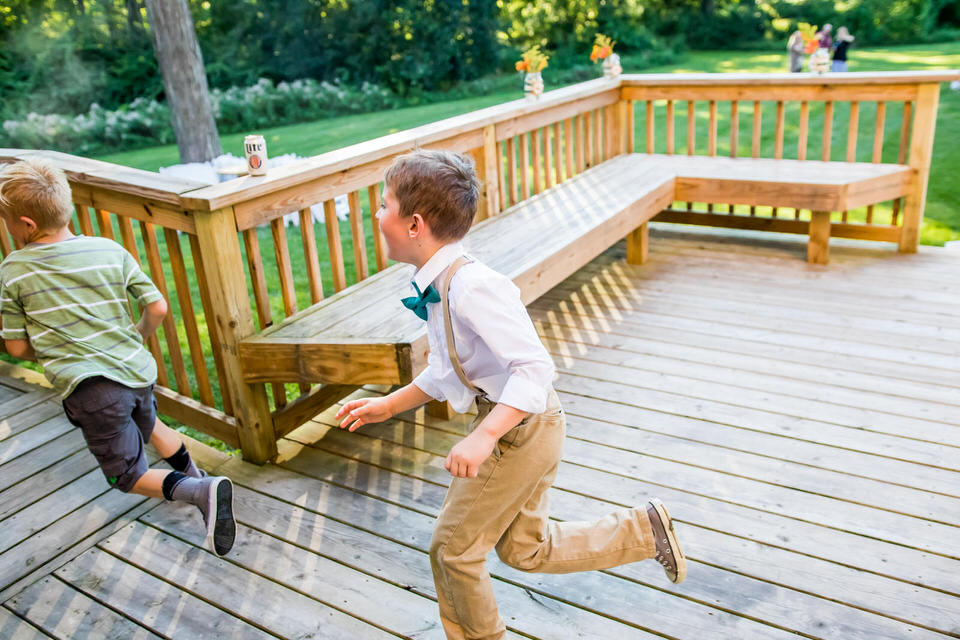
{"x":669,"y":554}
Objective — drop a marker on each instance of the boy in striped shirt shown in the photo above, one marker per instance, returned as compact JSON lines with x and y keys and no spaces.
{"x":64,"y":303}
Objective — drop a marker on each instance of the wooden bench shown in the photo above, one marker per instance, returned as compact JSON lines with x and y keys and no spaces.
{"x":365,"y":336}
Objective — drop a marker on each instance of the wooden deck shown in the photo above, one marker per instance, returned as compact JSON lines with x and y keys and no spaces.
{"x":801,"y":422}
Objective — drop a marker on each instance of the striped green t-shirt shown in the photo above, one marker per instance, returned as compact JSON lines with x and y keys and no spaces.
{"x":69,"y":299}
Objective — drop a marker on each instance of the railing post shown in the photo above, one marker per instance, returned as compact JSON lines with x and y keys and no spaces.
{"x":921,"y":148}
{"x":488,"y":170}
{"x":227,"y":291}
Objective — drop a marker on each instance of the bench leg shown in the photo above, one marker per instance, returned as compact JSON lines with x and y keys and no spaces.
{"x":818,"y":249}
{"x":439,"y":409}
{"x":637,"y":244}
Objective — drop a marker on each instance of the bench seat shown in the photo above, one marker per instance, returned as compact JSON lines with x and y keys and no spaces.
{"x":364,"y":335}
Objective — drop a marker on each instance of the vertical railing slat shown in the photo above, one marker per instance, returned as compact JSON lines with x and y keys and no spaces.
{"x":169,"y":324}
{"x":373,"y":194}
{"x":181,"y":283}
{"x":877,"y":156}
{"x":212,"y":329}
{"x":568,"y":146}
{"x":902,"y":155}
{"x":670,"y":123}
{"x":804,"y":124}
{"x":650,"y":130}
{"x":827,"y":141}
{"x":537,"y":160}
{"x":512,"y":170}
{"x":547,"y":157}
{"x":153,"y":343}
{"x":261,"y":298}
{"x":558,"y":143}
{"x":358,"y":237}
{"x":83,"y":217}
{"x":335,"y":246}
{"x":309,"y":239}
{"x":525,"y":164}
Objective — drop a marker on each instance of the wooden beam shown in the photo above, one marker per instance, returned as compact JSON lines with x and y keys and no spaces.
{"x":227,"y":291}
{"x":319,"y":399}
{"x":921,"y":149}
{"x":818,"y":248}
{"x":638,"y":243}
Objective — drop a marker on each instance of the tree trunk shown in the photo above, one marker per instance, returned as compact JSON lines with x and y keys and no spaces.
{"x":184,"y":80}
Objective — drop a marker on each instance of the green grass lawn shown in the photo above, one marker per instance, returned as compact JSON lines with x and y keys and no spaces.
{"x":942,"y":217}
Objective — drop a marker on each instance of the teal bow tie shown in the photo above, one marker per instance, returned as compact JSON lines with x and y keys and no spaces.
{"x":418,"y":303}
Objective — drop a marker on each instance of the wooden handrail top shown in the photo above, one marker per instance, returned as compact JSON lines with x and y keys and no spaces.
{"x":331,"y":162}
{"x":114,"y":177}
{"x":767,"y":79}
{"x":248,"y":187}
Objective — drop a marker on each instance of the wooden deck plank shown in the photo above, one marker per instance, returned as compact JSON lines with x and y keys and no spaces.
{"x":742,"y":521}
{"x":300,"y":559}
{"x":585,"y":326}
{"x":23,"y":467}
{"x":63,"y":612}
{"x":886,"y":360}
{"x":21,"y":403}
{"x":13,"y":627}
{"x":28,"y":417}
{"x":942,"y":409}
{"x":741,"y":397}
{"x":565,"y":336}
{"x":396,"y":542}
{"x":786,"y":499}
{"x":66,"y":538}
{"x":45,"y":481}
{"x":644,"y":604}
{"x":788,"y":310}
{"x":244,"y":594}
{"x":867,"y":626}
{"x":33,"y":437}
{"x":155,"y":604}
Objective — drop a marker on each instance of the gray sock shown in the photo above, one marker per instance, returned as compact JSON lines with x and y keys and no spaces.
{"x":187,"y":490}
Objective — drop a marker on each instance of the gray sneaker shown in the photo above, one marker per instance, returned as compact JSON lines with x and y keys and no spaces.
{"x":669,"y":554}
{"x":214,"y":498}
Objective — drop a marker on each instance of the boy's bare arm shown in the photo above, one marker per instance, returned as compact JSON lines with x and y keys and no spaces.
{"x":466,"y":456}
{"x":151,"y":317}
{"x":20,"y":349}
{"x":357,"y":413}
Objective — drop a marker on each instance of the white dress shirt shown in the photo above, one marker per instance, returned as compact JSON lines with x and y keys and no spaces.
{"x":498,"y":346}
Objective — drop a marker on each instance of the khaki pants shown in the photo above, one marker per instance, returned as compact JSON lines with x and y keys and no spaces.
{"x":505,"y":507}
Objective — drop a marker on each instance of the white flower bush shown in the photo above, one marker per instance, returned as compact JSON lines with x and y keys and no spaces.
{"x":145,"y":122}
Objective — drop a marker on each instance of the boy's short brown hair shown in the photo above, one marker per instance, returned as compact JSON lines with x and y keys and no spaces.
{"x":441,"y":186}
{"x":38,"y":190}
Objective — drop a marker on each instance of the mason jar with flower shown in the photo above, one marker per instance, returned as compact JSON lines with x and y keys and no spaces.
{"x":603,"y":50}
{"x":531,"y":65}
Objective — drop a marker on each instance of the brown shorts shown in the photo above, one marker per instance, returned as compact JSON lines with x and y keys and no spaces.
{"x":116,"y":421}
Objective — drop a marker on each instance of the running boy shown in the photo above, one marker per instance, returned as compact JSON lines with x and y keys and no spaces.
{"x":484,"y":348}
{"x":63,"y":302}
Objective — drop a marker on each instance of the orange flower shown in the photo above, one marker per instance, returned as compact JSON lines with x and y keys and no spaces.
{"x":604,"y":52}
{"x":595,"y":53}
{"x":521,"y":65}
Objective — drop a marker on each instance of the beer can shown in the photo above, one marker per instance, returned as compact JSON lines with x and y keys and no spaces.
{"x":255,"y":147}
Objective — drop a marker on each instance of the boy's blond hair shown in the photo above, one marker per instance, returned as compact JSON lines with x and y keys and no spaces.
{"x":441,"y":186}
{"x":38,"y":190}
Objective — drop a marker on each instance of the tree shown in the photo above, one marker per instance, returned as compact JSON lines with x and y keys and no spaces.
{"x":184,"y":79}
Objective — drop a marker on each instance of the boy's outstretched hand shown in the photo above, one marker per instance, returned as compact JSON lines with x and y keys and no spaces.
{"x":466,"y":456}
{"x":364,"y":411}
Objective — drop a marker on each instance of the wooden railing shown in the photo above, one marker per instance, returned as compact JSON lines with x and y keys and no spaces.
{"x":782,"y":112}
{"x":219,"y":247}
